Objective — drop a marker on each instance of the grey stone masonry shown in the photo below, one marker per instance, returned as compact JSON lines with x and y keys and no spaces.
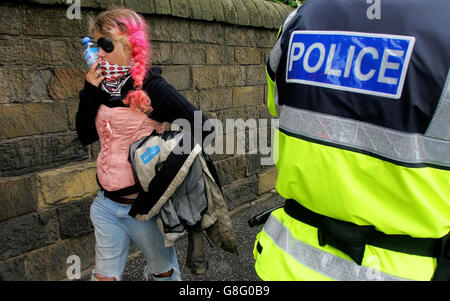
{"x":239,"y":12}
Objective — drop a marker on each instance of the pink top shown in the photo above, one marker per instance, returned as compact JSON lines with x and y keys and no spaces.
{"x":117,"y":128}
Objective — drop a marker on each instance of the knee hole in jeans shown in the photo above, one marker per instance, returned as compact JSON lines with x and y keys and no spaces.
{"x":99,"y":277}
{"x":164,"y":275}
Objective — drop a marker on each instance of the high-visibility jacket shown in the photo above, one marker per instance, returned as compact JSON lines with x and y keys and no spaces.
{"x":363,"y":143}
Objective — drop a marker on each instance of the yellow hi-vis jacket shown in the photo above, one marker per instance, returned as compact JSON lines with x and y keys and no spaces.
{"x":363,"y":143}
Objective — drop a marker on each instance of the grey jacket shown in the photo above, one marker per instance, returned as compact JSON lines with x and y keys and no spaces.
{"x":182,"y":190}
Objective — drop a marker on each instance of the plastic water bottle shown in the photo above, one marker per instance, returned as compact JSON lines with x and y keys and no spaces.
{"x":90,"y":52}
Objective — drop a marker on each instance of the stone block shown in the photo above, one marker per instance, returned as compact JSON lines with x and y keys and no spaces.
{"x":31,"y":51}
{"x":254,"y":14}
{"x":178,"y":76}
{"x":22,"y":84}
{"x":108,"y":3}
{"x":83,"y":247}
{"x":244,"y":113}
{"x":18,"y":196}
{"x":223,"y":146}
{"x":28,"y":232}
{"x":74,"y":56}
{"x":29,"y":154}
{"x":40,"y":80}
{"x":51,"y":21}
{"x":13,"y":85}
{"x":188,"y":54}
{"x":180,"y":8}
{"x":45,"y":1}
{"x":243,"y":17}
{"x":247,"y":56}
{"x":277,"y":19}
{"x":207,"y":33}
{"x":217,"y":10}
{"x":247,"y":141}
{"x":74,"y":219}
{"x":206,"y":10}
{"x":231,"y":76}
{"x":195,"y":10}
{"x":162,"y":53}
{"x":283,"y":13}
{"x":267,"y":181}
{"x":18,"y":120}
{"x":36,"y":264}
{"x":141,"y":6}
{"x":253,"y":166}
{"x":215,"y":99}
{"x":229,"y":12}
{"x":204,"y":77}
{"x":72,"y":109}
{"x":256,"y":75}
{"x":248,"y":96}
{"x":168,"y":29}
{"x":266,"y":38}
{"x":265,"y":15}
{"x":8,"y":13}
{"x":66,"y":83}
{"x":66,"y":184}
{"x":163,"y":7}
{"x":53,"y":52}
{"x":239,"y":36}
{"x":219,"y":55}
{"x":240,"y":192}
{"x":235,"y":164}
{"x":13,"y":269}
{"x":51,"y":263}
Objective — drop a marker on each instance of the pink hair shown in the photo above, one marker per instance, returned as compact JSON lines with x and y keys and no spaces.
{"x":137,"y":32}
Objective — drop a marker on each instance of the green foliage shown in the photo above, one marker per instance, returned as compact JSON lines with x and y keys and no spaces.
{"x":293,"y":3}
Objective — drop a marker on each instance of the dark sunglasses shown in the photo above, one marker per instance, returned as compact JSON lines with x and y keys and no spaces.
{"x":106,"y":44}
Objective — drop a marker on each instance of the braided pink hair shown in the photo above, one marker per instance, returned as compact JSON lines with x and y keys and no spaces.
{"x":125,"y":21}
{"x":140,"y":48}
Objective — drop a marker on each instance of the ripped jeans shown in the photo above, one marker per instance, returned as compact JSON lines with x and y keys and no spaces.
{"x":113,"y":230}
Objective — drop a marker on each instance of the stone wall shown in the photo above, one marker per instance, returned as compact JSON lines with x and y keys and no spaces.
{"x":212,"y":51}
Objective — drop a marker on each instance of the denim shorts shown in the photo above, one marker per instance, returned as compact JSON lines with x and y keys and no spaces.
{"x":114,"y":228}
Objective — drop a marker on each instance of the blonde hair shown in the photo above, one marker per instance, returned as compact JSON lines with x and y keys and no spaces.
{"x":133,"y":32}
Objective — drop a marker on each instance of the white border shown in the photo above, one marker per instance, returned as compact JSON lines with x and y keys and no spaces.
{"x":411,"y":40}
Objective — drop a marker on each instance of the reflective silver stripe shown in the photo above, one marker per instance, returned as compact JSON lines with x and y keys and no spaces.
{"x":275,"y":53}
{"x":440,"y":124}
{"x":275,"y":56}
{"x":327,"y":264}
{"x":290,"y":16}
{"x":390,"y":144}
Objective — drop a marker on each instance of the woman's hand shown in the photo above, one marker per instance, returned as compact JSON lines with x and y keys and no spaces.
{"x":93,"y":75}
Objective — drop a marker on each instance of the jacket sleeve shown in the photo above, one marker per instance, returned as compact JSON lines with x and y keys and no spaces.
{"x":168,"y":105}
{"x":87,"y":111}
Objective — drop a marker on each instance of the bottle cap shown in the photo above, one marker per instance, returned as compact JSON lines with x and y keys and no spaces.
{"x":86,"y":40}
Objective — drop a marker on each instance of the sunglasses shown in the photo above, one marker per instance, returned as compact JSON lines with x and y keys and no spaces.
{"x":106,"y":44}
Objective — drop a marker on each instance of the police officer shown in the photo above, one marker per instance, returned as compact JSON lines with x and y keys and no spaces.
{"x":363,"y":103}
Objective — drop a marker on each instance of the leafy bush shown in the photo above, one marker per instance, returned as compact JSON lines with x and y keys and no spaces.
{"x":293,"y":3}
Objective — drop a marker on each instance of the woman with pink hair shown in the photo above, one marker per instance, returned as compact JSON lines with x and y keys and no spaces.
{"x":125,"y":99}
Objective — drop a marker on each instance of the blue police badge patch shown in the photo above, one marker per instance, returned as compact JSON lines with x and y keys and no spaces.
{"x":367,"y":63}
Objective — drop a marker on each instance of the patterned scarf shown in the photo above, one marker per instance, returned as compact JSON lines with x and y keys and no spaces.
{"x":116,"y":77}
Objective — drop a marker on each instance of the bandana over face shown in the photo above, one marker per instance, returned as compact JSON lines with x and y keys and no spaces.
{"x":116,"y":77}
